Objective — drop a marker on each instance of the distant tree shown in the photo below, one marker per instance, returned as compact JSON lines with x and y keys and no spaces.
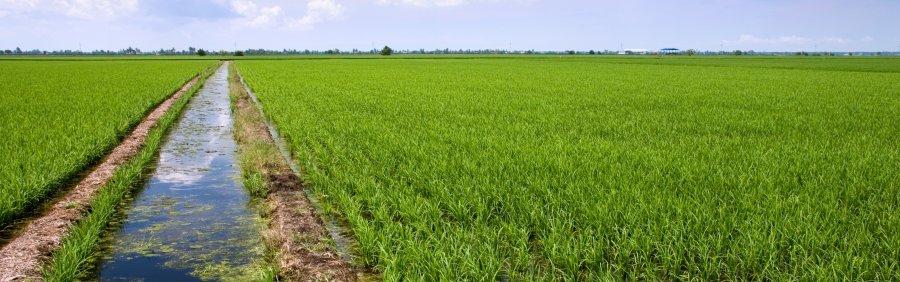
{"x":192,"y":50}
{"x":18,"y":51}
{"x":201,"y":52}
{"x":239,"y":53}
{"x":387,"y":51}
{"x":592,"y":52}
{"x":570,"y":52}
{"x":690,"y":52}
{"x":7,"y":51}
{"x":737,"y":52}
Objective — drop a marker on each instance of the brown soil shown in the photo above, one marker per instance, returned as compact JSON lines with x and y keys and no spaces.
{"x":23,"y":256}
{"x":299,"y":234}
{"x":295,"y":231}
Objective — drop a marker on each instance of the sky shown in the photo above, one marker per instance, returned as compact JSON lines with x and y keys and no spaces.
{"x":761,"y":25}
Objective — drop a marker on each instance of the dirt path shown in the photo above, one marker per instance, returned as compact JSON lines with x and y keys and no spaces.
{"x":24,"y":255}
{"x":295,"y":231}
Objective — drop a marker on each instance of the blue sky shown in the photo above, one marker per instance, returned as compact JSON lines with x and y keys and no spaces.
{"x":765,"y":25}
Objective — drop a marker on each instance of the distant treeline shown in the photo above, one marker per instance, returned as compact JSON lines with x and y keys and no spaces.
{"x":203,"y":52}
{"x":126,"y":51}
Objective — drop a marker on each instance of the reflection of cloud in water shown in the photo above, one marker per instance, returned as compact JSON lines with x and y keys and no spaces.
{"x":180,"y":178}
{"x":197,"y":143}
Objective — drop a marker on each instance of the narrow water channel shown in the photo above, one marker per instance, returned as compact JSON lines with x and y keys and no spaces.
{"x":192,"y":220}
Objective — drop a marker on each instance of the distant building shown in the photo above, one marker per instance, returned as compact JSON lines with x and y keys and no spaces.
{"x":669,"y":51}
{"x":636,"y":51}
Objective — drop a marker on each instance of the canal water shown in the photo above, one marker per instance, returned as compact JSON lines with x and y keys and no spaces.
{"x":192,"y":220}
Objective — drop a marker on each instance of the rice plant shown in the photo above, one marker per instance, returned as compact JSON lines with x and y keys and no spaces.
{"x":582,"y":168}
{"x":59,"y":117}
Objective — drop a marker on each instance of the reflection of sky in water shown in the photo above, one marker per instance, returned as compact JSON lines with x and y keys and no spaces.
{"x":197,"y":141}
{"x":192,"y":218}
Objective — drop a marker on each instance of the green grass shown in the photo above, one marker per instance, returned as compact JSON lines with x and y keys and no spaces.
{"x":57,"y":118}
{"x":583,"y":168}
{"x":257,"y":157}
{"x":78,"y":250}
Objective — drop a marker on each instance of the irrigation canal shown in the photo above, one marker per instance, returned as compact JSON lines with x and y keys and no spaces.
{"x":192,"y":220}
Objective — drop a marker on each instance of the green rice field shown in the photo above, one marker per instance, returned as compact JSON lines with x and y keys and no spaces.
{"x":582,"y":168}
{"x":58,"y":117}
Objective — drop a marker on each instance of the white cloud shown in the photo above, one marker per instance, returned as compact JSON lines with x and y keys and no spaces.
{"x":14,"y":4}
{"x":81,"y":9}
{"x":318,"y":11}
{"x":423,"y":3}
{"x":243,"y":7}
{"x":10,"y":7}
{"x":96,"y":9}
{"x":442,"y":3}
{"x":254,"y":15}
